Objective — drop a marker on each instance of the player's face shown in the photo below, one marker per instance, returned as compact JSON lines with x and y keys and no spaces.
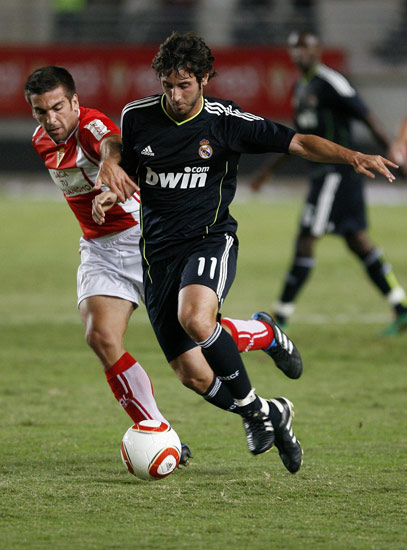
{"x":305,"y":53}
{"x":182,"y":94}
{"x":56,"y":113}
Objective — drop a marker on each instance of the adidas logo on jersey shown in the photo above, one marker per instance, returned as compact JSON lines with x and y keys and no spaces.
{"x":147,"y":151}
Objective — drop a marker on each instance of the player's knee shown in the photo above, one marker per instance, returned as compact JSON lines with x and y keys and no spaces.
{"x":359,"y":244}
{"x":197,"y":325}
{"x":190,"y":382}
{"x":305,"y":246}
{"x":99,"y":340}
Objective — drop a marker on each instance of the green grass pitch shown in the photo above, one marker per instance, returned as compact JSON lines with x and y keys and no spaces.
{"x":63,"y":485}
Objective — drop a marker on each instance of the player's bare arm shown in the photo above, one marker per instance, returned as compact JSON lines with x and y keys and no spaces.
{"x":101,"y":204}
{"x":318,"y":149}
{"x":111,"y":174}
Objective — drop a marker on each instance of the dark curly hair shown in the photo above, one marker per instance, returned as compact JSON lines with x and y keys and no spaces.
{"x":48,"y":78}
{"x":184,"y":51}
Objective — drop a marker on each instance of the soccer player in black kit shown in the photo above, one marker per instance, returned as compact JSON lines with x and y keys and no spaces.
{"x":183,"y":150}
{"x":325,"y":104}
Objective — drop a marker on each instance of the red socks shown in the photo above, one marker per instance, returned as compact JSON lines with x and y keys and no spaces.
{"x":249,"y":335}
{"x":132,"y":388}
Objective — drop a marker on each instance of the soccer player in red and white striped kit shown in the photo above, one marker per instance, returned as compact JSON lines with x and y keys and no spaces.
{"x":73,"y":142}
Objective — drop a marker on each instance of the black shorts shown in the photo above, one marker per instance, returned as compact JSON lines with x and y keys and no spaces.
{"x":209,"y":262}
{"x":335,"y":203}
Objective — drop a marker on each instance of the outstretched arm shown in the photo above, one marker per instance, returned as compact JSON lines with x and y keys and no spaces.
{"x":111,"y":174}
{"x":318,"y":149}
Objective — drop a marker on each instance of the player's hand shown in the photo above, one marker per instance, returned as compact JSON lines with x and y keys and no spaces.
{"x":101,"y":204}
{"x":113,"y":176}
{"x":368,"y":164}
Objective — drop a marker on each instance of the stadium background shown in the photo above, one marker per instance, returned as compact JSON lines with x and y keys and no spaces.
{"x":62,"y":484}
{"x":108,"y":46}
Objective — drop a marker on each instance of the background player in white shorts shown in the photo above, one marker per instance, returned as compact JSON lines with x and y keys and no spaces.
{"x":74,"y":141}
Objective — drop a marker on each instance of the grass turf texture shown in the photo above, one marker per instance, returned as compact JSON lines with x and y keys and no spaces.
{"x":62,"y":481}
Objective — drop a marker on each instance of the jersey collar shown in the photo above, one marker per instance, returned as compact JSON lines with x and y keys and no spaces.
{"x":173,"y":119}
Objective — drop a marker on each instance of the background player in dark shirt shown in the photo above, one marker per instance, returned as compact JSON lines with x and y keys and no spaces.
{"x":325,"y":104}
{"x":183,"y":151}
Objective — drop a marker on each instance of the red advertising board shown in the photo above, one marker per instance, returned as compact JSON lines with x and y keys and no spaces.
{"x":259,"y":80}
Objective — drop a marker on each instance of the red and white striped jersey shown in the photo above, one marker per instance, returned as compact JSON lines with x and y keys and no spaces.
{"x":74,"y":165}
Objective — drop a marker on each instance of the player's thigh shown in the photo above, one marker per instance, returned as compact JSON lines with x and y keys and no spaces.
{"x":106,"y":315}
{"x":318,"y":210}
{"x":335,"y":203}
{"x":349,"y":211}
{"x":162,"y":281}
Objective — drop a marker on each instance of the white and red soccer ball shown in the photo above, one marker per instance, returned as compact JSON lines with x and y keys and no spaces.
{"x":151,"y":449}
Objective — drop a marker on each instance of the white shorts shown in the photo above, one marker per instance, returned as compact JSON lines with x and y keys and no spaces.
{"x":111,"y":266}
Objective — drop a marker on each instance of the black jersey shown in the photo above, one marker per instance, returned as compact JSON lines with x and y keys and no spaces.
{"x":325,"y":104}
{"x":187,"y":170}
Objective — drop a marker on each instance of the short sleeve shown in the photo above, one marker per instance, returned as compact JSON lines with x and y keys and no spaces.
{"x":341,"y":95}
{"x":93,"y":130}
{"x":248,"y":133}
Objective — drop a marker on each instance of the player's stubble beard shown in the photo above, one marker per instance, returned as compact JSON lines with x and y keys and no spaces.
{"x":188,"y":106}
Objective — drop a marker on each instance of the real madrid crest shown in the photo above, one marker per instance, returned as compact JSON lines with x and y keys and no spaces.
{"x":205,"y":150}
{"x":60,"y":155}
